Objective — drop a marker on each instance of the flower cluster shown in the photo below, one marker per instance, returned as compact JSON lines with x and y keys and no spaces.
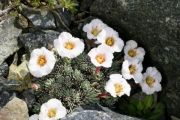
{"x":109,"y":40}
{"x":132,"y":67}
{"x":102,"y":56}
{"x":42,"y":62}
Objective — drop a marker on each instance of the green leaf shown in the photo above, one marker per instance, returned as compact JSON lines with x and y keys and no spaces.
{"x":159,"y":108}
{"x":131,"y":109}
{"x":140,"y":106}
{"x":148,"y":102}
{"x":158,"y":112}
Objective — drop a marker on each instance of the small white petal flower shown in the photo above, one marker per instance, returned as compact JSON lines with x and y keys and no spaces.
{"x":101,"y":56}
{"x":111,"y":39}
{"x":94,"y":28}
{"x":132,"y":69}
{"x":117,"y":86}
{"x":132,"y":51}
{"x":41,"y":62}
{"x":52,"y":110}
{"x":151,"y":81}
{"x":68,"y":46}
{"x":34,"y":117}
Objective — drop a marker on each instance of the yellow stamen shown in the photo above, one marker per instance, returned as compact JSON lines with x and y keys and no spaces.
{"x":118,"y":88}
{"x":42,"y":60}
{"x":150,"y":81}
{"x":69,"y":45}
{"x":100,"y":58}
{"x":132,"y":69}
{"x":95,"y":31}
{"x":52,"y":112}
{"x":132,"y":52}
{"x":110,"y":41}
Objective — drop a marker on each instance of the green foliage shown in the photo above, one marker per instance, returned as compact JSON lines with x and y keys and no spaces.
{"x":16,"y":2}
{"x":69,"y":5}
{"x":73,"y":81}
{"x":51,"y":2}
{"x":147,"y":107}
{"x":35,"y":3}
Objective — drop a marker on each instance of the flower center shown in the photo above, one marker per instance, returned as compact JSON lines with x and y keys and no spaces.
{"x":52,"y":112}
{"x":69,"y":45}
{"x":42,"y":60}
{"x":132,"y":52}
{"x":132,"y":69}
{"x":95,"y":31}
{"x":110,"y":41}
{"x":100,"y":58}
{"x":118,"y":88}
{"x":150,"y":81}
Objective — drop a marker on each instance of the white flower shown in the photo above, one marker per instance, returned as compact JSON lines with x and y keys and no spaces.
{"x":52,"y":110}
{"x":151,"y":81}
{"x":34,"y":117}
{"x":68,"y":46}
{"x":132,"y":51}
{"x":101,"y":56}
{"x":117,"y":86}
{"x":132,"y":69}
{"x":41,"y":62}
{"x":111,"y":39}
{"x":94,"y":28}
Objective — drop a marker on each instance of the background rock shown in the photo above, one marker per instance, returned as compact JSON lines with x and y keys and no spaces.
{"x":42,"y":19}
{"x":16,"y":109}
{"x":29,"y":97}
{"x":96,"y":113}
{"x":6,"y":96}
{"x":8,"y":84}
{"x":4,"y":69}
{"x":85,"y":5}
{"x":156,"y":26}
{"x":48,"y":19}
{"x":8,"y":38}
{"x":37,"y":39}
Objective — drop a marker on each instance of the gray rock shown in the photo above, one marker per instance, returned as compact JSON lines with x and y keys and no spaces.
{"x":39,"y":18}
{"x":8,"y":38}
{"x":6,"y":96}
{"x":29,"y":97}
{"x":85,"y":4}
{"x":22,"y":22}
{"x":47,"y":19}
{"x":96,"y":113}
{"x":63,"y":18}
{"x":16,"y":109}
{"x":88,"y":115}
{"x":37,"y":39}
{"x":3,"y":4}
{"x":8,"y":84}
{"x":4,"y":69}
{"x":156,"y":26}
